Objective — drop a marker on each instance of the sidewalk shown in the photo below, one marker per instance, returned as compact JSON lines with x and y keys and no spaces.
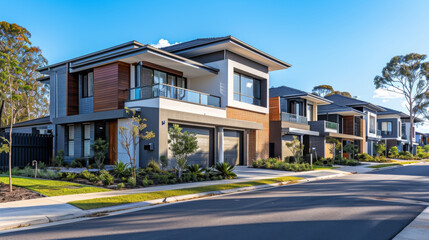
{"x":50,"y":209}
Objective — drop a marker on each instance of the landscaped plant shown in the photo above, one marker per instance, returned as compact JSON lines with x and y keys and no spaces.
{"x":225,"y":170}
{"x":275,"y":163}
{"x":154,"y":166}
{"x":59,"y":158}
{"x":346,"y":162}
{"x":120,"y":169}
{"x":131,"y":181}
{"x":182,"y":144}
{"x":100,"y":148}
{"x":164,"y":162}
{"x":394,"y":151}
{"x":131,"y":136}
{"x":195,"y":168}
{"x":106,"y":178}
{"x":350,"y":148}
{"x":78,"y":163}
{"x":296,"y":148}
{"x":120,"y":186}
{"x":380,"y":148}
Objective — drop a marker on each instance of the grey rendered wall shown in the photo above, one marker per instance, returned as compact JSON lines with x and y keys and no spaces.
{"x":153,"y":124}
{"x":275,"y":137}
{"x":394,"y":127}
{"x":58,"y":98}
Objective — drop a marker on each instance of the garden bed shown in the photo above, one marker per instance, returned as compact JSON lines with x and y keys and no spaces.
{"x":17,"y":194}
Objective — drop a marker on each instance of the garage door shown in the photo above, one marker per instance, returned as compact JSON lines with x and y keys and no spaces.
{"x":204,"y":155}
{"x":233,"y":147}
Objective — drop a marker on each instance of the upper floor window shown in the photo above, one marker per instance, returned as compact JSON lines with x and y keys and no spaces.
{"x":147,"y":77}
{"x":386,"y":127}
{"x":310,"y":112}
{"x":247,"y":89}
{"x":371,"y":124}
{"x":87,"y":84}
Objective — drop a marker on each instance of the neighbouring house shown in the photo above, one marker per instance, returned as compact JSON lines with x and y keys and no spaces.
{"x":214,"y":87}
{"x":393,"y":132}
{"x":422,"y":138}
{"x":291,"y":110}
{"x":411,"y":142}
{"x":372,"y":134}
{"x":345,"y":124}
{"x":35,"y":126}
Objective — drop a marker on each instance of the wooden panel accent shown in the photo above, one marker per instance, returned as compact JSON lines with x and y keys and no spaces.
{"x":161,"y":68}
{"x":348,"y":125}
{"x":113,"y":142}
{"x":111,"y":84}
{"x":363,"y":135}
{"x":258,"y":141}
{"x":275,"y":109}
{"x":72,"y":94}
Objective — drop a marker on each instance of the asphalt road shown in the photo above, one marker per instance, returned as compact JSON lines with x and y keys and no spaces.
{"x":364,"y":206}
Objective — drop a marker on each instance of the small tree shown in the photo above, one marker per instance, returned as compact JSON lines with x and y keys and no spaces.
{"x":426,"y":147}
{"x":336,"y":145}
{"x":380,"y":148}
{"x":100,"y":148}
{"x":296,"y":148}
{"x":394,"y":151}
{"x":350,"y":148}
{"x":131,"y":136}
{"x":182,"y":144}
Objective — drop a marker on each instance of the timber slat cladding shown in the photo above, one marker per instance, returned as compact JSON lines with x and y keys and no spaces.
{"x":72,"y":94}
{"x":111,"y":84}
{"x":348,"y":122}
{"x":274,"y":109}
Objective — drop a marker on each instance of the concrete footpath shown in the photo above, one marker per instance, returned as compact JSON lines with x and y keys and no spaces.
{"x":51,"y":209}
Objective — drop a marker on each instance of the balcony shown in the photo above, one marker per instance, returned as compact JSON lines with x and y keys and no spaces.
{"x":331,"y":126}
{"x":289,"y":117}
{"x":378,"y":132}
{"x":172,"y":92}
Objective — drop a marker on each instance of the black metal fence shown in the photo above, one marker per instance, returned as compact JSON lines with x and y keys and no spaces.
{"x":26,"y":148}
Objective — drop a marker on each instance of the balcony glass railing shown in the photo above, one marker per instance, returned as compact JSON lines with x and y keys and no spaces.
{"x":331,"y":125}
{"x":404,"y":136}
{"x":289,"y":117}
{"x":168,"y":91}
{"x":378,"y":132}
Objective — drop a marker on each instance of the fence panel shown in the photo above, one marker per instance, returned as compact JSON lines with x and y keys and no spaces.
{"x":26,"y":148}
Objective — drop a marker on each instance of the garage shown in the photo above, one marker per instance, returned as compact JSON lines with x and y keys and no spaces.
{"x":233,"y":147}
{"x":205,"y":153}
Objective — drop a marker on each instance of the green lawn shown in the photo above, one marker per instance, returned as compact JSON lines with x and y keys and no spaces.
{"x":323,"y":167}
{"x":141,"y":197}
{"x":51,"y":187}
{"x":390,"y":164}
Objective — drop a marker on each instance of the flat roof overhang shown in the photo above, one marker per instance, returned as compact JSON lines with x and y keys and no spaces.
{"x":97,"y":116}
{"x":153,"y":55}
{"x":344,"y":136}
{"x":310,"y":97}
{"x":298,"y":131}
{"x":236,"y":46}
{"x":344,"y":113}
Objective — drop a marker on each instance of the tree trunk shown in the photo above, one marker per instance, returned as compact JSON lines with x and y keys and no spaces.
{"x":410,"y":146}
{"x":10,"y":136}
{"x":1,"y":112}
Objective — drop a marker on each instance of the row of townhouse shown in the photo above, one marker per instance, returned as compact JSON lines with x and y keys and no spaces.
{"x":214,"y":87}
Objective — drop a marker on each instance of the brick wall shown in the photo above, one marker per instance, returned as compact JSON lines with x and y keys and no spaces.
{"x":258,"y":143}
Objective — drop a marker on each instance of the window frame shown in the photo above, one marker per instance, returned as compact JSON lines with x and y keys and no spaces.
{"x":138,"y":84}
{"x":86,"y":139}
{"x":240,"y":94}
{"x":87,"y":91}
{"x":70,"y":151}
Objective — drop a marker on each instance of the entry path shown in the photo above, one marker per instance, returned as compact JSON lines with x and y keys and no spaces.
{"x":376,"y":205}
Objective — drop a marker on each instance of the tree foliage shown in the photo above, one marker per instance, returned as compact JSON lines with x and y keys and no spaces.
{"x":380,"y":148}
{"x":182,"y":144}
{"x":407,"y":75}
{"x":33,"y":96}
{"x":296,"y":148}
{"x":131,"y":136}
{"x":350,"y":148}
{"x":100,"y":147}
{"x":328,"y":90}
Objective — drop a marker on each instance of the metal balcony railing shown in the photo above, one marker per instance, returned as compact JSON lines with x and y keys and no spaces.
{"x":289,"y":117}
{"x":173,"y":92}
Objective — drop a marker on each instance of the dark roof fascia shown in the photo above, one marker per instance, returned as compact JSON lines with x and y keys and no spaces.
{"x":91,"y":54}
{"x":240,"y":43}
{"x":146,"y":48}
{"x":307,"y":95}
{"x":32,"y":122}
{"x":89,"y":117}
{"x":369,"y":106}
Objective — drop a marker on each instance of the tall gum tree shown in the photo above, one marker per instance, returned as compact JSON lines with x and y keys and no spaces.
{"x":407,"y":75}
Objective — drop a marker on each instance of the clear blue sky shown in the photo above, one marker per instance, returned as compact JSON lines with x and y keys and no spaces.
{"x":341,"y":43}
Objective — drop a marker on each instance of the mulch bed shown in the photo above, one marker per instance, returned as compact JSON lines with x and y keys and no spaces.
{"x":17,"y":194}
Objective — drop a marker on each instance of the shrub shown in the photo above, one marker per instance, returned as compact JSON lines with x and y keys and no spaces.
{"x":225,"y":170}
{"x":195,"y":168}
{"x":93,"y":178}
{"x":365,"y":157}
{"x":41,"y":165}
{"x":85,"y":174}
{"x":59,"y":158}
{"x":71,"y":176}
{"x":154,"y":165}
{"x":145,"y":182}
{"x":164,"y":162}
{"x":47,"y":174}
{"x":131,"y":182}
{"x":394,"y":151}
{"x":120,"y":186}
{"x":120,"y":169}
{"x":106,"y":178}
{"x":347,"y":162}
{"x":100,"y":148}
{"x":78,"y":163}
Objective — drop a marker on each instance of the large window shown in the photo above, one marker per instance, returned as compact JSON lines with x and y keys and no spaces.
{"x":371,"y":124}
{"x":247,"y":89}
{"x":87,"y":84}
{"x":70,"y":140}
{"x":386,"y":127}
{"x":86,"y":140}
{"x":147,"y":76}
{"x":310,"y":112}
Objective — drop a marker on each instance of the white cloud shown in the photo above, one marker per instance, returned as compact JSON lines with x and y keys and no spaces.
{"x":163,"y":43}
{"x":389,"y":93}
{"x":384,"y":100}
{"x":404,"y":104}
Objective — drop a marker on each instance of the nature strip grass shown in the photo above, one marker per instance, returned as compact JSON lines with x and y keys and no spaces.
{"x":141,"y":197}
{"x":52,"y":188}
{"x":390,"y":164}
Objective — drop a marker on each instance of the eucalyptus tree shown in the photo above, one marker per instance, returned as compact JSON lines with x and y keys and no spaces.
{"x":407,"y":75}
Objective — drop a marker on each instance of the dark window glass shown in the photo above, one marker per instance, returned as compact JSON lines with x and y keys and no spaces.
{"x":87,"y":84}
{"x":247,"y":89}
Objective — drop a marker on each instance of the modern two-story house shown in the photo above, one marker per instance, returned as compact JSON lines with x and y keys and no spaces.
{"x":214,"y":87}
{"x":391,"y":126}
{"x":372,"y":133}
{"x":291,"y":111}
{"x":345,"y":124}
